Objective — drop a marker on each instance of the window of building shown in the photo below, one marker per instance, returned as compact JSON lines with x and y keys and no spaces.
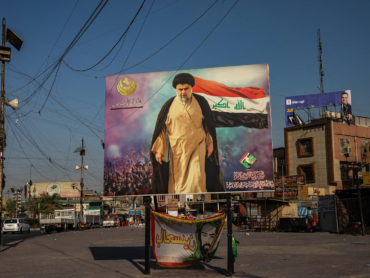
{"x":305,"y":147}
{"x":309,"y":171}
{"x":176,"y":197}
{"x":162,"y":198}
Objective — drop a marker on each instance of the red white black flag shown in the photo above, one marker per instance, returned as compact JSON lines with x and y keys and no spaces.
{"x":234,"y":106}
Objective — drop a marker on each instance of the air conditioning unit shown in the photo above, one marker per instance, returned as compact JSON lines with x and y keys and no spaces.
{"x":347,"y":150}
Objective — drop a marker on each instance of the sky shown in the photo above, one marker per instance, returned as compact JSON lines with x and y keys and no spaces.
{"x":52,"y":119}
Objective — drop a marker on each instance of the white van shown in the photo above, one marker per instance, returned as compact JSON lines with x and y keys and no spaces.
{"x":16,"y":225}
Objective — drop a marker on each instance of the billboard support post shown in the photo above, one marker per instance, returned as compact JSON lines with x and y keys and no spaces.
{"x":147,"y":201}
{"x":230,"y":259}
{"x":155,"y":203}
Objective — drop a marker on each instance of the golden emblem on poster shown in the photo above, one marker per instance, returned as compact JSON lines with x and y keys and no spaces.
{"x":126,"y":87}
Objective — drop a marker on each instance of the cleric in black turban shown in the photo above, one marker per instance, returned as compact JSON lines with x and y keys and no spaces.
{"x":184,"y":150}
{"x":183,"y":78}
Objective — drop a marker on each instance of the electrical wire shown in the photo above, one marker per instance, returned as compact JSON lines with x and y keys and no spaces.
{"x":56,"y":65}
{"x":107,"y":128}
{"x":110,"y":51}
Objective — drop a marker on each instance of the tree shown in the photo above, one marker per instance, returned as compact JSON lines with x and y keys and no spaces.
{"x":45,"y":204}
{"x":23,"y":208}
{"x":51,"y":201}
{"x":10,"y":207}
{"x":36,"y":206}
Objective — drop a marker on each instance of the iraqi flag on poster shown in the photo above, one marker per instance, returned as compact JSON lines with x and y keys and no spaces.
{"x":234,"y":106}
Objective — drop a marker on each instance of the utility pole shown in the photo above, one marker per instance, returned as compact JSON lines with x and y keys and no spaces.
{"x":2,"y":131}
{"x":321,"y":65}
{"x":5,"y":54}
{"x":82,"y":182}
{"x":81,"y":150}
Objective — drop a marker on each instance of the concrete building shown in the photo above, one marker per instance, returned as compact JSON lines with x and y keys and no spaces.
{"x":279,"y":161}
{"x":328,"y":152}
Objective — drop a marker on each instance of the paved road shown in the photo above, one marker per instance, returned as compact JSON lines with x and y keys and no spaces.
{"x":119,"y":252}
{"x":11,"y":238}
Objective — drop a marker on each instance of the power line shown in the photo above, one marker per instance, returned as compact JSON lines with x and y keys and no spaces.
{"x":159,"y":50}
{"x":133,"y":45}
{"x":110,"y":51}
{"x":179,"y":67}
{"x":107,"y":95}
{"x":56,"y":65}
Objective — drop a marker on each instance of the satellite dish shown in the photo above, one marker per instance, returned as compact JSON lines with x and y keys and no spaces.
{"x":202,"y":197}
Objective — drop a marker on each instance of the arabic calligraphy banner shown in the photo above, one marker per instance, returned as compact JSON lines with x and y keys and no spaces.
{"x":239,"y":98}
{"x":294,"y":187}
{"x":180,"y":243}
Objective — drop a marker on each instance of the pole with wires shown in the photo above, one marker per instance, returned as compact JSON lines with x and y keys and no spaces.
{"x":2,"y":133}
{"x":5,"y":54}
{"x":82,"y":183}
{"x":81,"y":150}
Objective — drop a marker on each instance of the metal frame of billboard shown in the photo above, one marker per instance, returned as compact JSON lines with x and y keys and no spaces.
{"x":311,"y":118}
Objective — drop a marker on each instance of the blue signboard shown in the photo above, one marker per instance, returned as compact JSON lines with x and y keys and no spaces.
{"x":138,"y":212}
{"x":311,"y":101}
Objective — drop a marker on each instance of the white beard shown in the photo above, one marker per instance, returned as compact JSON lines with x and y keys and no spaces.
{"x":185,"y":100}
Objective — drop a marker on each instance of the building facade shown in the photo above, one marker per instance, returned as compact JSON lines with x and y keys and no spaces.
{"x":328,"y":152}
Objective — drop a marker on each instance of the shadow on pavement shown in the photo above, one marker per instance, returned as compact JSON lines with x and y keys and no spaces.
{"x":11,"y":240}
{"x":10,"y":245}
{"x":136,"y":253}
{"x":130,"y":254}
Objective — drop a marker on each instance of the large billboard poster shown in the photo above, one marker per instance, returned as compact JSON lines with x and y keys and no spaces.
{"x":64,"y":189}
{"x":234,"y":101}
{"x":317,"y":100}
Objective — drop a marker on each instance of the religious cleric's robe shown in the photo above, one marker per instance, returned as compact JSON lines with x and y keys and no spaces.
{"x":185,"y":167}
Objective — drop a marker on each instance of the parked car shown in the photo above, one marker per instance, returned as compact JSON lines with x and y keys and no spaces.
{"x":13,"y":225}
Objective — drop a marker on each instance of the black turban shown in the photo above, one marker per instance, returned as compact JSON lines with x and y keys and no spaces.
{"x":183,"y":78}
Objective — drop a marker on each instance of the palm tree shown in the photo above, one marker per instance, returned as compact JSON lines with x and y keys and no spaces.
{"x":10,"y":207}
{"x":36,"y":206}
{"x":51,"y":201}
{"x":45,"y":204}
